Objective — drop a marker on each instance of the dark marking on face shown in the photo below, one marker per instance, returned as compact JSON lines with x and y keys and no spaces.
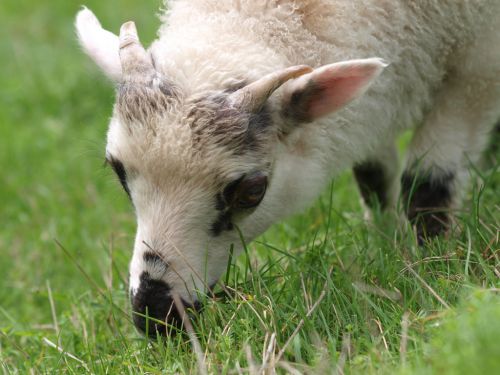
{"x":298,"y":104}
{"x":220,"y":203}
{"x":119,"y":169}
{"x":427,"y":200}
{"x":167,"y":89}
{"x":239,"y":196}
{"x":214,"y":120}
{"x":141,"y":101}
{"x":372,"y":182}
{"x":258,"y":122}
{"x":153,"y":299}
{"x":222,"y":223}
{"x":223,"y":205}
{"x":154,"y":259}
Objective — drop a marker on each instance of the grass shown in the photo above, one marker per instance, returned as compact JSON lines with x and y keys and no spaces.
{"x":326,"y":291}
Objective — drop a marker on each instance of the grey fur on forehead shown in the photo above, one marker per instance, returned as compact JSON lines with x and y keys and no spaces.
{"x":214,"y":120}
{"x":142,"y":101}
{"x":211,"y":118}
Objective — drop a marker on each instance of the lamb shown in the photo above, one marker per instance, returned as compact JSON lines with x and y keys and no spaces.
{"x":242,"y":111}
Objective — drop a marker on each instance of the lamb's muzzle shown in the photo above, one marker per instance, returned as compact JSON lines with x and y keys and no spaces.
{"x":154,"y":309}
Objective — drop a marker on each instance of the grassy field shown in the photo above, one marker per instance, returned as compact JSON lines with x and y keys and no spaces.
{"x":324,"y":292}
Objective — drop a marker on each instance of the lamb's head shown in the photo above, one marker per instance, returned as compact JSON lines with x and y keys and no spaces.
{"x":199,"y":169}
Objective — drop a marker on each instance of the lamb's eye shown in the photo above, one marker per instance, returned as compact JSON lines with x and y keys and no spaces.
{"x":250,"y":191}
{"x":120,"y":172}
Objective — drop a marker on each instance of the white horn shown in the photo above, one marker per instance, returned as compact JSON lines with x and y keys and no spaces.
{"x":252,"y":97}
{"x":134,"y":58}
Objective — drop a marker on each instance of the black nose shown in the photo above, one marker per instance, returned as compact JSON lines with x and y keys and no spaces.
{"x":154,"y":310}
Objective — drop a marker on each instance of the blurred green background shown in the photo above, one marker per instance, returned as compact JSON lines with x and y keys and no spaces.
{"x":54,"y":109}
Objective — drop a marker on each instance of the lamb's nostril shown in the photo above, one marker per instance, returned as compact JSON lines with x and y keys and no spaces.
{"x":154,"y":310}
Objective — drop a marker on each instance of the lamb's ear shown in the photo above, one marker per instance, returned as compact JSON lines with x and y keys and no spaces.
{"x":329,"y":88}
{"x":101,"y":45}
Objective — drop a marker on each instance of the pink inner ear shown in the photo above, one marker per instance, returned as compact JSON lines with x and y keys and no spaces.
{"x":338,"y":84}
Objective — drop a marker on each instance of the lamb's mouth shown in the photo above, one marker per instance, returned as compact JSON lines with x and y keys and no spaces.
{"x":157,"y":310}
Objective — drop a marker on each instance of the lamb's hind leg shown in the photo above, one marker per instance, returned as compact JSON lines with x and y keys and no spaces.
{"x":451,"y":139}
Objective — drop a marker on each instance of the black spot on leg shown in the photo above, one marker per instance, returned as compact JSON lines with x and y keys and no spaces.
{"x":427,"y":200}
{"x":494,"y":146}
{"x":372,"y":182}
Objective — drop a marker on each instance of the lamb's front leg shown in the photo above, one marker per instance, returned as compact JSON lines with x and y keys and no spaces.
{"x":377,"y":178}
{"x":451,"y":139}
{"x":454,"y":133}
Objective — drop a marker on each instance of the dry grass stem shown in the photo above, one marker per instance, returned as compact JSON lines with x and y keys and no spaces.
{"x":381,"y":329}
{"x":344,"y":354}
{"x":301,"y":323}
{"x":252,"y":367}
{"x":403,"y":345}
{"x":427,"y":286}
{"x":378,"y":291}
{"x":53,"y":311}
{"x":65,"y":353}
{"x":200,"y":357}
